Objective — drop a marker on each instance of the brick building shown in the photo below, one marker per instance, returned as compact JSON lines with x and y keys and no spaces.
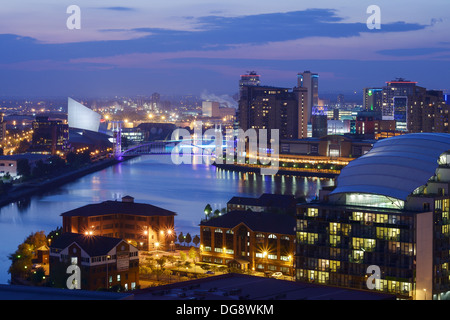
{"x":258,"y":241}
{"x":145,"y":226}
{"x":103,"y":261}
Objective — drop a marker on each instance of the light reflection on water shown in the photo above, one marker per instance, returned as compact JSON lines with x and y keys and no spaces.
{"x":184,"y":189}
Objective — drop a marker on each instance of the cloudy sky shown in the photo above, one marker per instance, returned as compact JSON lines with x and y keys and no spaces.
{"x":137,"y":47}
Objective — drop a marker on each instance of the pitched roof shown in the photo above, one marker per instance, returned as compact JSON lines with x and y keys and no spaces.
{"x":118,"y":207}
{"x":93,"y":245}
{"x":256,"y":221}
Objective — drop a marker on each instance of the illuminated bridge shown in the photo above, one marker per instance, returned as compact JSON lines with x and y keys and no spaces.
{"x":166,"y":147}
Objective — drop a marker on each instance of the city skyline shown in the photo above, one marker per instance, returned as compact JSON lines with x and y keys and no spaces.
{"x":193,"y":47}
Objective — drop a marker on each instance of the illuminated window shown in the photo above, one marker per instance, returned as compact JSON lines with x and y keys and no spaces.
{"x":312,"y":212}
{"x":357,"y":216}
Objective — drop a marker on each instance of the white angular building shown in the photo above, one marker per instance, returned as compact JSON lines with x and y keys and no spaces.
{"x":81,"y":117}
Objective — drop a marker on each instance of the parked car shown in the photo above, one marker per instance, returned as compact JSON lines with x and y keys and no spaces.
{"x":277,"y":275}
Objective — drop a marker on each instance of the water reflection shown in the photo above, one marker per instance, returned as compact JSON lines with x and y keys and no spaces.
{"x":184,"y":189}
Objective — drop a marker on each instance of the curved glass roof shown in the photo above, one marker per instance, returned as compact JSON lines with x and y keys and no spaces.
{"x":395,"y":166}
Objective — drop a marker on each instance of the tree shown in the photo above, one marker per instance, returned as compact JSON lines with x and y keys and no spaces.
{"x":207,"y":210}
{"x":23,"y":168}
{"x":193,"y":253}
{"x":196,"y":240}
{"x":21,"y":259}
{"x":181,"y":238}
{"x":188,"y":238}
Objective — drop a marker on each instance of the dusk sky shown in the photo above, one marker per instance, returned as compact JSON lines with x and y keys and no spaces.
{"x":138,"y":47}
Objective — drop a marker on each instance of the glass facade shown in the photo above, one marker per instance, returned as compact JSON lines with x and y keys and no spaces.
{"x":336,"y":245}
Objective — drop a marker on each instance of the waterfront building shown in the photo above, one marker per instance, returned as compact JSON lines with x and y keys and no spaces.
{"x":10,"y":164}
{"x":256,"y":241}
{"x":329,"y":147}
{"x":390,"y":209}
{"x":104,"y":262}
{"x":49,"y":135}
{"x":82,"y":117}
{"x":145,"y":226}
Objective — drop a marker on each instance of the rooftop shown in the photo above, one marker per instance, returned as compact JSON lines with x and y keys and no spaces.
{"x":18,"y":292}
{"x":256,"y":221}
{"x":126,"y":206}
{"x":94,"y":246}
{"x":394,"y":167}
{"x":234,"y":286}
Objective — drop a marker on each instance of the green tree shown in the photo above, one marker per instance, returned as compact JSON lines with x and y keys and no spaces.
{"x":181,"y":238}
{"x":188,"y":238}
{"x":21,"y":259}
{"x":193,"y":253}
{"x":207,"y":210}
{"x":196,"y":240}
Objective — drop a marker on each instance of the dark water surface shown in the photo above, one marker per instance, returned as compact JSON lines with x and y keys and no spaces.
{"x":184,"y":189}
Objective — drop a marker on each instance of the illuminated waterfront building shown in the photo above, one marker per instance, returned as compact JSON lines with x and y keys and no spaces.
{"x":146,"y":226}
{"x":390,"y":209}
{"x":103,"y":262}
{"x":251,"y":241}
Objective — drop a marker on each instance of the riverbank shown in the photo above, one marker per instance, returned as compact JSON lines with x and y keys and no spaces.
{"x":28,"y":189}
{"x":301,"y":172}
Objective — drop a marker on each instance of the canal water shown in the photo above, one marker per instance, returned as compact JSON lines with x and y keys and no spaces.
{"x":154,"y":179}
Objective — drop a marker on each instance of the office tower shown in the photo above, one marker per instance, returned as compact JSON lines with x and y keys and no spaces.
{"x":265,"y":107}
{"x":396,"y":95}
{"x":373,"y":99}
{"x":309,"y":81}
{"x":391,"y":209}
{"x":249,"y":79}
{"x":49,"y":135}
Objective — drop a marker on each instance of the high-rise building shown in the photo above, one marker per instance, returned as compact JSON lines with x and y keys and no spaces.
{"x":266,"y":107}
{"x":373,"y":99}
{"x":309,"y":81}
{"x":390,"y":209}
{"x":396,"y":96}
{"x":249,"y":79}
{"x":428,"y":112}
